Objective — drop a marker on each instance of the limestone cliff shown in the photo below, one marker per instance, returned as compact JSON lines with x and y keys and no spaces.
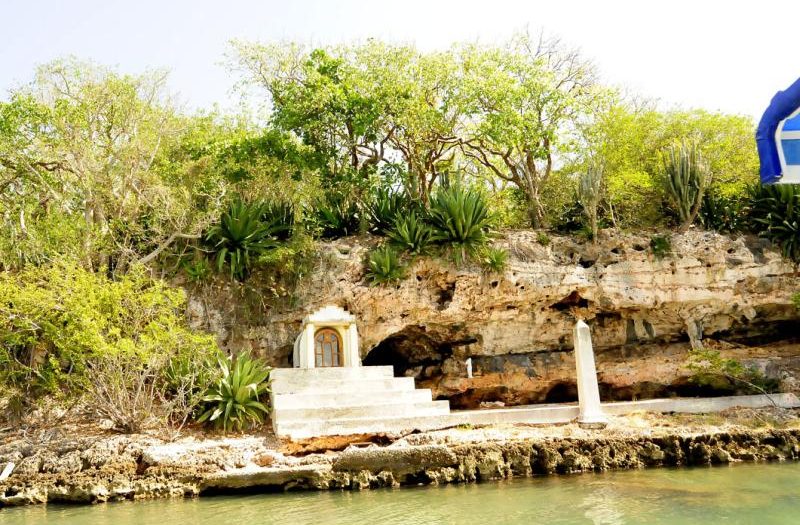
{"x":732,"y":293}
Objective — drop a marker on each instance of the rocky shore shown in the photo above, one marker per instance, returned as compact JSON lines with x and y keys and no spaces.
{"x":101,"y":468}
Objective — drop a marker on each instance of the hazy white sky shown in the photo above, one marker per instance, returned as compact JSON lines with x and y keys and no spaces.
{"x":721,"y":55}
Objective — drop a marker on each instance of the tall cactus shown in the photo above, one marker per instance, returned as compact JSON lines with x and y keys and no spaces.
{"x":590,"y":188}
{"x":686,"y":178}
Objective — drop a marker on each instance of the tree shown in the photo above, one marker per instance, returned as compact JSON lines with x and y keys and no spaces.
{"x":590,"y":193}
{"x":525,"y":102}
{"x":91,"y":138}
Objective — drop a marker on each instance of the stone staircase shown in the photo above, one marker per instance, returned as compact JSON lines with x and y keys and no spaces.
{"x":312,"y":402}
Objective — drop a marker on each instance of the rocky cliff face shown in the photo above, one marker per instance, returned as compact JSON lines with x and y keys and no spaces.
{"x":733,"y":294}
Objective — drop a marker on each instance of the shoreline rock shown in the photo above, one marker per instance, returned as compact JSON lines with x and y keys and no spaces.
{"x":119,"y":468}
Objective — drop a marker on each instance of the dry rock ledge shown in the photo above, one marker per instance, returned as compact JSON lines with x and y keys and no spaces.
{"x":112,"y":468}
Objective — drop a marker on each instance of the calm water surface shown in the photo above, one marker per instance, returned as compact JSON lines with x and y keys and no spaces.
{"x":747,"y":494}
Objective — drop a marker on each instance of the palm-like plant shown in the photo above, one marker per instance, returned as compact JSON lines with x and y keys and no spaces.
{"x":233,"y":401}
{"x":411,"y":234}
{"x":386,"y":206}
{"x":775,"y":211}
{"x":384,"y":266}
{"x":241,"y":236}
{"x":460,"y":218}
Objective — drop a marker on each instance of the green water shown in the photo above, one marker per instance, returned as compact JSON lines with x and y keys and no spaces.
{"x":748,"y":494}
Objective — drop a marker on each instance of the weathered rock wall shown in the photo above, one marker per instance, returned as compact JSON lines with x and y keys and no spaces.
{"x":733,"y":293}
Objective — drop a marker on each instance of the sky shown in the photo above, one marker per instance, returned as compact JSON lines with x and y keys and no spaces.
{"x":729,"y":56}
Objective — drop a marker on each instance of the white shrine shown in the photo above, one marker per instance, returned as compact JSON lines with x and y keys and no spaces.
{"x":328,"y":338}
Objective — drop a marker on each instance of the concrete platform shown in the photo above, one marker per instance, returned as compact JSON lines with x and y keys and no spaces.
{"x":369,"y":400}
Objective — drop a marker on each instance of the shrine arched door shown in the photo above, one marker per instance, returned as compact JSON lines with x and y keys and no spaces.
{"x":328,"y":349}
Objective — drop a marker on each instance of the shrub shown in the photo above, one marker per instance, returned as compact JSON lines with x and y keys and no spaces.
{"x":543,"y":239}
{"x":495,"y":259}
{"x":460,"y":219}
{"x":197,"y":270}
{"x":55,"y":320}
{"x":241,"y":236}
{"x":233,"y":402}
{"x":722,"y":213}
{"x":709,"y":368}
{"x":686,"y":177}
{"x":411,"y":234}
{"x":386,"y":206}
{"x":775,"y":214}
{"x":384,"y":266}
{"x":337,"y":216}
{"x":796,"y":300}
{"x":661,"y":246}
{"x":279,"y":218}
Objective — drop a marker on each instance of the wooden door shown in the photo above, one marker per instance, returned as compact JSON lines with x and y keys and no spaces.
{"x":328,"y":349}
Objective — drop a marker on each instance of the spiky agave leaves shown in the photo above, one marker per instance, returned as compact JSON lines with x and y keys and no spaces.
{"x":233,"y":401}
{"x":384,"y":266}
{"x":776,"y":213}
{"x":242,"y":235}
{"x":460,"y":218}
{"x":411,"y":234}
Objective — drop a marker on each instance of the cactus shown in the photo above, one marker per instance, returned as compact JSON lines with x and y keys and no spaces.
{"x":590,"y":187}
{"x":686,"y":179}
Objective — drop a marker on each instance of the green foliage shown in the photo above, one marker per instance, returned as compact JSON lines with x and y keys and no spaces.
{"x":386,"y":206}
{"x":494,"y":259}
{"x":709,"y":368}
{"x":796,"y":300}
{"x":460,"y":219}
{"x":542,"y":238}
{"x":775,"y":214}
{"x":241,"y":236}
{"x":55,"y":319}
{"x":198,"y":270}
{"x":337,"y":216}
{"x":411,"y":234}
{"x":661,"y":246}
{"x":686,"y":177}
{"x":723,"y":213}
{"x":233,"y":402}
{"x":384,"y":266}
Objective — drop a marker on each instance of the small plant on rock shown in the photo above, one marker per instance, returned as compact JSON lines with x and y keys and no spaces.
{"x":384,"y":266}
{"x":494,"y":259}
{"x":543,"y":239}
{"x":775,"y":213}
{"x":233,"y":402}
{"x":460,"y":219}
{"x":796,"y":300}
{"x":661,"y":246}
{"x":409,"y":233}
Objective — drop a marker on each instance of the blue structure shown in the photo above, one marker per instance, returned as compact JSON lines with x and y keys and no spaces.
{"x":778,"y":138}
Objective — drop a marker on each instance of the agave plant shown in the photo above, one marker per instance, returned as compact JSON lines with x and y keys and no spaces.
{"x":411,"y":234}
{"x":721,"y":213}
{"x":460,"y":218}
{"x":686,"y":178}
{"x":233,"y":401}
{"x":241,"y":236}
{"x":384,"y":266}
{"x":386,"y":206}
{"x":775,"y":212}
{"x":494,"y":259}
{"x":337,"y":216}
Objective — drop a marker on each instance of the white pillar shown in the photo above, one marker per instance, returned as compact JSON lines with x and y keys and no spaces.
{"x":591,"y":414}
{"x":310,"y":358}
{"x":353,"y":355}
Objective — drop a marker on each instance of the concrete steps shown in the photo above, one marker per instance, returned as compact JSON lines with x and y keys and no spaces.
{"x":328,"y":401}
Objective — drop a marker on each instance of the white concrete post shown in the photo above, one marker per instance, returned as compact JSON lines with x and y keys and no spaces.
{"x":309,"y":347}
{"x":468,"y":362}
{"x":353,"y":357}
{"x":591,"y":414}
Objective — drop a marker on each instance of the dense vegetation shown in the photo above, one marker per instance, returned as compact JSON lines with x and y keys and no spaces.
{"x":107,"y":187}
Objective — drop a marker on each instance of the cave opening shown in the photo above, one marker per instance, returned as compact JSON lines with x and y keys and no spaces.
{"x":415,"y":351}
